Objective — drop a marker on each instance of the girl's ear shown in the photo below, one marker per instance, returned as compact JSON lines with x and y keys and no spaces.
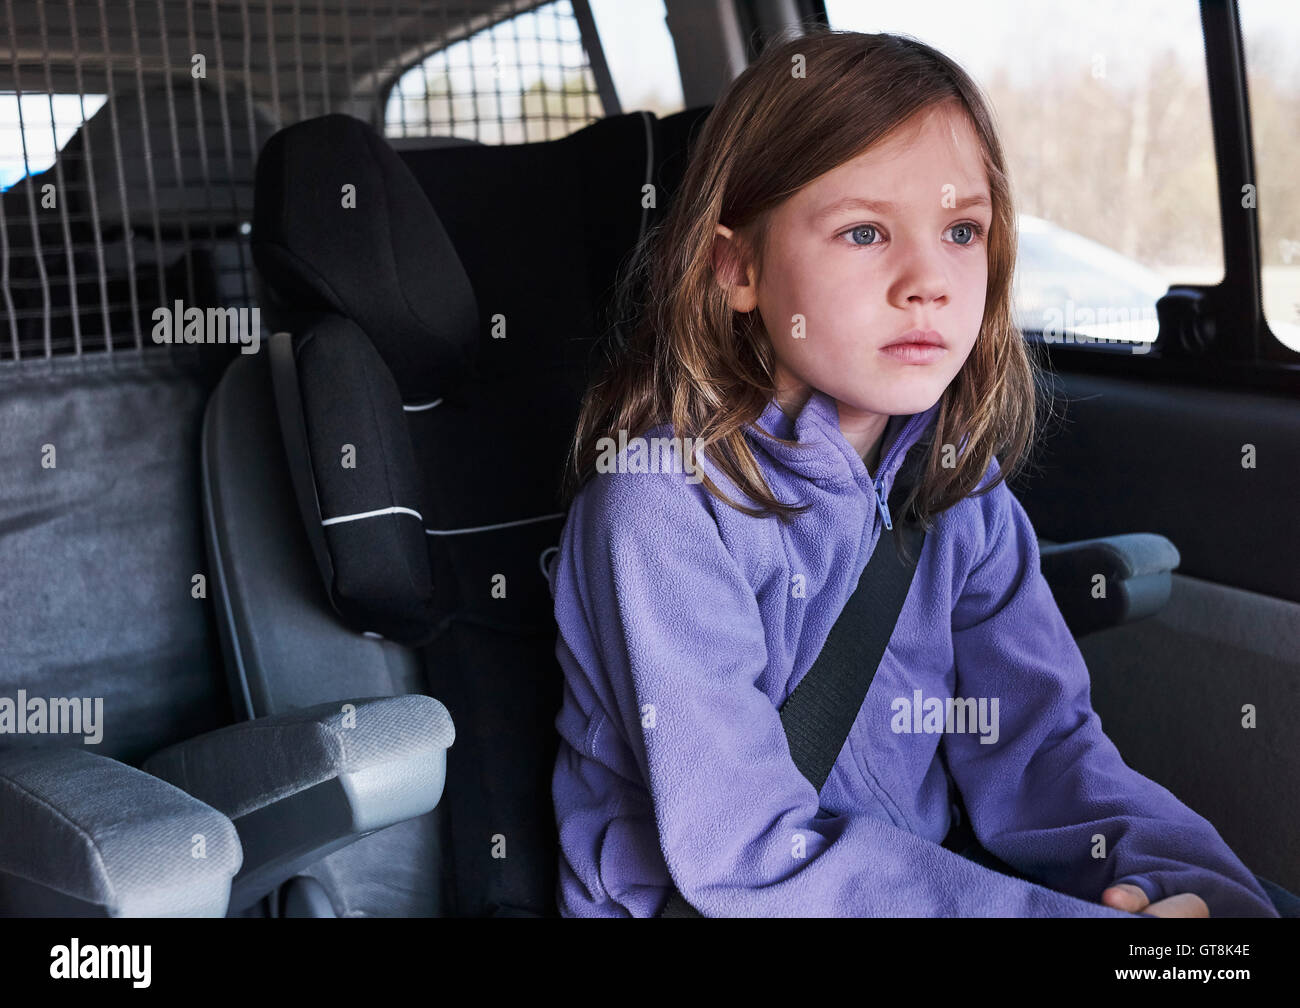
{"x":733,"y":271}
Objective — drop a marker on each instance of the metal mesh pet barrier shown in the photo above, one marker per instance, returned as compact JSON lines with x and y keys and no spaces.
{"x":129,"y":131}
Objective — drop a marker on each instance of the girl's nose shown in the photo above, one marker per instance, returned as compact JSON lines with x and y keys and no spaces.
{"x":922,"y":278}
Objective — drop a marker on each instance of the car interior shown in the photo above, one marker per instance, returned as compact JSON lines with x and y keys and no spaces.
{"x":294,"y":585}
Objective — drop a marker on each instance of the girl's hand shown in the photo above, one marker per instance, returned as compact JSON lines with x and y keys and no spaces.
{"x":1131,"y":898}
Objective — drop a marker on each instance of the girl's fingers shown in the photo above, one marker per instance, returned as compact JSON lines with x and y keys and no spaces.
{"x":1180,"y":905}
{"x":1125,"y":896}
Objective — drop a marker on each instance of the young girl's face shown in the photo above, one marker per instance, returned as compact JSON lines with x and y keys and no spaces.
{"x":861,"y":276}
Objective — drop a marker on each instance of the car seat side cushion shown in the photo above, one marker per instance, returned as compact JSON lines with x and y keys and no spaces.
{"x":67,"y":849}
{"x":367,"y":485}
{"x":301,"y":784}
{"x":1104,"y":582}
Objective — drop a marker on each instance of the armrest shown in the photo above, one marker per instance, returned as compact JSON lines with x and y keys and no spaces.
{"x":87,"y":836}
{"x":302,"y":784}
{"x":1136,"y":568}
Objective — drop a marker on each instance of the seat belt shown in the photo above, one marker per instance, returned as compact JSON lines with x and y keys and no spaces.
{"x":819,"y":714}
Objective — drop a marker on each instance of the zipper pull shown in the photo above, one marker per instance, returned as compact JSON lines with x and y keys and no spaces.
{"x":881,"y":504}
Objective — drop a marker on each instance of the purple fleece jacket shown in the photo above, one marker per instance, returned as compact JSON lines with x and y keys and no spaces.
{"x":684,"y":624}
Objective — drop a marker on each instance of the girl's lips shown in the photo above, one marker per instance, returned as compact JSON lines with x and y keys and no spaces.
{"x":914,"y":353}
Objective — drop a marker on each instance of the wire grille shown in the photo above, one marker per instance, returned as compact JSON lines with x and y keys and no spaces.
{"x":129,"y":131}
{"x":526,"y":78}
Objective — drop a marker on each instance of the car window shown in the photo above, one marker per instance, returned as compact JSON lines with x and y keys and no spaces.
{"x":1271,"y":32}
{"x":1111,"y":295}
{"x":1139,"y":180}
{"x":35,"y":128}
{"x":523,"y":79}
{"x":642,"y":60}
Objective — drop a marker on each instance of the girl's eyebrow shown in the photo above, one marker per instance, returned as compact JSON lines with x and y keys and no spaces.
{"x":884,"y":206}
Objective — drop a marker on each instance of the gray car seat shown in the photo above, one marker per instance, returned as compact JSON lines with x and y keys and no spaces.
{"x":418,"y":568}
{"x":121,"y":793}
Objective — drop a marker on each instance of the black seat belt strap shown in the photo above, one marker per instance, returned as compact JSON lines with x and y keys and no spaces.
{"x":819,"y":714}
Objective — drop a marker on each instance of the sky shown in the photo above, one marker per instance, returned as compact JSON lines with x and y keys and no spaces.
{"x":1031,"y":40}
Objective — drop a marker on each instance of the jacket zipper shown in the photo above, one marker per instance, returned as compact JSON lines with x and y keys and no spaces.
{"x":881,"y":504}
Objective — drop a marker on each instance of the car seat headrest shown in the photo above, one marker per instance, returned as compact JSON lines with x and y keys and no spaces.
{"x":341,"y":225}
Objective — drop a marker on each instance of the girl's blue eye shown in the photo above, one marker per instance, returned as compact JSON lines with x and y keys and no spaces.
{"x":865,"y":235}
{"x":972,"y":231}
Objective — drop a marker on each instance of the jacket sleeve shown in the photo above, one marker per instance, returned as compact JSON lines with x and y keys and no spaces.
{"x":1052,"y":797}
{"x":646,"y":589}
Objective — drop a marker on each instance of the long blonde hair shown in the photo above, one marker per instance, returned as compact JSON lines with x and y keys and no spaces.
{"x":692,"y":361}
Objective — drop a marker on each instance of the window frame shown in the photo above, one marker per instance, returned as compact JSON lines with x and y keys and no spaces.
{"x":1239,"y":294}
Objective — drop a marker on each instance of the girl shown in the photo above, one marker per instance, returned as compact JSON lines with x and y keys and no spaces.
{"x":846,"y":201}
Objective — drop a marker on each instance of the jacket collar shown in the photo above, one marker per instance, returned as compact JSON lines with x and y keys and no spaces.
{"x":822,"y":453}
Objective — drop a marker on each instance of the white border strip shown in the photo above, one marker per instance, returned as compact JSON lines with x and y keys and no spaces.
{"x":421,"y":406}
{"x":371,"y":514}
{"x":499,"y":525}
